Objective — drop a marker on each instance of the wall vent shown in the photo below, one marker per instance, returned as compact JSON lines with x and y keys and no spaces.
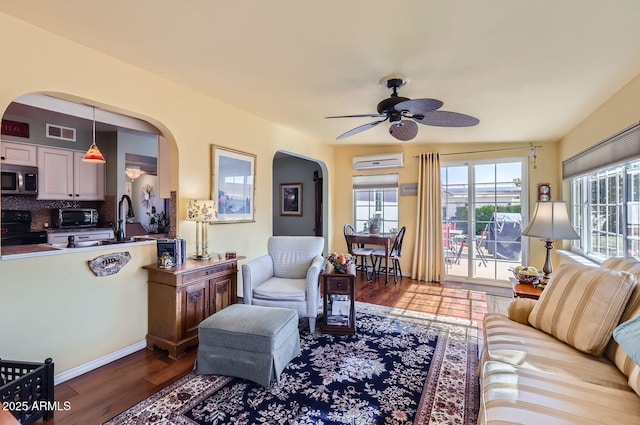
{"x":62,"y":133}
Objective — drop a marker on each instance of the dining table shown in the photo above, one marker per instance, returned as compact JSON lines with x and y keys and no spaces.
{"x":378,"y":239}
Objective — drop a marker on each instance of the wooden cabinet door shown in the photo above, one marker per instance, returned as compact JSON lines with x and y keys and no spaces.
{"x":55,"y":176}
{"x":18,"y":154}
{"x":219,"y":294}
{"x":194,"y":307}
{"x":88,"y":179}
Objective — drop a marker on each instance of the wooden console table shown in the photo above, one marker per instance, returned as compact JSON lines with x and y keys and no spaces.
{"x":183,"y":296}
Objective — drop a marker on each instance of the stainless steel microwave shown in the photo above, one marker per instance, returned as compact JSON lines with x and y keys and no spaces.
{"x":74,"y":217}
{"x":19,"y":180}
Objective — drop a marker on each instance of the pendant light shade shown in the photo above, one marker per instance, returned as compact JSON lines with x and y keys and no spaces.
{"x":94,"y":154}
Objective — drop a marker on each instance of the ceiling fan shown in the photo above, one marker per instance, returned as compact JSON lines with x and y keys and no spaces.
{"x":403,"y":114}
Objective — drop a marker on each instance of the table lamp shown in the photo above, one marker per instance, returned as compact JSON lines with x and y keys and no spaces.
{"x":551,"y":222}
{"x":201,"y":211}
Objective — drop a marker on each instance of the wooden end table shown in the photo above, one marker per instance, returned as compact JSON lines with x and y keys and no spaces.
{"x":525,"y":290}
{"x":339,"y":311}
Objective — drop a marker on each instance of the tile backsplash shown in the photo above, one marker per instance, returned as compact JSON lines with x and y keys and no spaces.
{"x":41,"y":209}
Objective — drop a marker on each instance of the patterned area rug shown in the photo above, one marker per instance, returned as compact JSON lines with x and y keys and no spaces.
{"x":402,"y":367}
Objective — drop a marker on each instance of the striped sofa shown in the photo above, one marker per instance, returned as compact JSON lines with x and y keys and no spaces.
{"x":554,"y":361}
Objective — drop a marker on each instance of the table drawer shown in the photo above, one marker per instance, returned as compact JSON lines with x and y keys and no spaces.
{"x":208,"y":272}
{"x":337,"y":285}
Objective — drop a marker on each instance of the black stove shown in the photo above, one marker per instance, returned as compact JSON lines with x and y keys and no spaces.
{"x":15,"y":229}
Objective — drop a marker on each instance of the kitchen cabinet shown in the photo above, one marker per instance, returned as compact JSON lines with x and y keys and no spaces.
{"x":18,"y":154}
{"x":59,"y":237}
{"x":183,"y":296}
{"x":63,"y":175}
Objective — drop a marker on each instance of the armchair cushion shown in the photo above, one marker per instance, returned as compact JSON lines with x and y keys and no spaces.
{"x":292,"y":256}
{"x":282,"y":289}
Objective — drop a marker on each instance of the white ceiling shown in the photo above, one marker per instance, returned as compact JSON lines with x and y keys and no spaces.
{"x":529,"y":70}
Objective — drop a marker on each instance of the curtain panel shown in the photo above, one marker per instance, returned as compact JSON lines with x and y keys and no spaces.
{"x":428,"y":257}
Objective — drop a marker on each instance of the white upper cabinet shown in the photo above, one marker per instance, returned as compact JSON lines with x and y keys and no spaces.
{"x":18,"y":154}
{"x":63,"y":175}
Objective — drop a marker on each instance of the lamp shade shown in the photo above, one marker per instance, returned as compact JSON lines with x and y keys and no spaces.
{"x":551,"y":221}
{"x":202,"y":210}
{"x":93,"y":154}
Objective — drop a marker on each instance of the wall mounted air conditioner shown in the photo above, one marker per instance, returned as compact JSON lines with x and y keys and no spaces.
{"x":372,"y":162}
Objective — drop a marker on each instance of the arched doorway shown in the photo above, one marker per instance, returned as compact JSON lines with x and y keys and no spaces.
{"x":304,"y":181}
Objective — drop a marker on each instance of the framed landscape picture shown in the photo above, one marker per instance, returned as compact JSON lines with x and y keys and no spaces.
{"x":233,"y":184}
{"x":291,"y":199}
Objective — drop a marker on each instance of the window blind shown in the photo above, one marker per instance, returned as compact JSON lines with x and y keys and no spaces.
{"x":618,"y":148}
{"x":373,"y":181}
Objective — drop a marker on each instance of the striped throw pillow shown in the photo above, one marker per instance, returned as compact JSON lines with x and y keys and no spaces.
{"x":582,"y":305}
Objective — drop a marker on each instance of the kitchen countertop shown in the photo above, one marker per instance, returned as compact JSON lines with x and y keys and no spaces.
{"x":27,"y":251}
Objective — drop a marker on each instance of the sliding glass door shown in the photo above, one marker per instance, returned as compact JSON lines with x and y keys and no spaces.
{"x":482,"y":218}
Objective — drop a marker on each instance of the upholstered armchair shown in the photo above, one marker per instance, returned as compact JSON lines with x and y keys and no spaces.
{"x":288,"y":276}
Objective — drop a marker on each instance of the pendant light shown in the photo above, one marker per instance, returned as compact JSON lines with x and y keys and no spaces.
{"x":94,"y":154}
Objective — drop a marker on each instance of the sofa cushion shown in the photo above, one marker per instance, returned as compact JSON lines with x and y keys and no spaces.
{"x":614,"y":352}
{"x":627,"y":334}
{"x":524,"y":346}
{"x":582,"y":305}
{"x":515,"y":395}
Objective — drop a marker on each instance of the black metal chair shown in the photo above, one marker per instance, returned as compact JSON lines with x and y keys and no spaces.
{"x":358,"y":252}
{"x":395,"y":254}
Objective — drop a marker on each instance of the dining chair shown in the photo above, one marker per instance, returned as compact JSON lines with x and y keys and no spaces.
{"x":395,"y":254}
{"x":478,"y":244}
{"x":358,"y":252}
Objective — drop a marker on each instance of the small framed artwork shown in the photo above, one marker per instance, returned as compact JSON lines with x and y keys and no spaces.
{"x":291,"y":199}
{"x":233,"y":184}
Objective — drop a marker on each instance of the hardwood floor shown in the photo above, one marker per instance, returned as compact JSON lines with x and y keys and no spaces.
{"x":101,"y":394}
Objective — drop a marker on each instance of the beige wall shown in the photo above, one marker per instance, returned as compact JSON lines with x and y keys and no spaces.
{"x":53,"y":306}
{"x":546,"y":172}
{"x":619,"y":112}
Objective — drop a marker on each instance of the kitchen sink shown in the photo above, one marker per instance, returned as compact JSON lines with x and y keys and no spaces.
{"x":126,"y":240}
{"x":84,"y":244}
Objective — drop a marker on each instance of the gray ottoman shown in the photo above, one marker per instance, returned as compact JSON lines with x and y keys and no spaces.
{"x":248,"y":341}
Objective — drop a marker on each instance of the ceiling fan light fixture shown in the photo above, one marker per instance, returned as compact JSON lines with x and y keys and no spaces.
{"x":423,"y":111}
{"x":403,"y":130}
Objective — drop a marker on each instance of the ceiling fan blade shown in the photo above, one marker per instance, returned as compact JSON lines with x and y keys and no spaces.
{"x":360,"y":129}
{"x":446,"y":119}
{"x":360,"y":116}
{"x":419,"y":106}
{"x":403,"y":130}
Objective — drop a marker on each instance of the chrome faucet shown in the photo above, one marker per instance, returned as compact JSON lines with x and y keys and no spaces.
{"x":121,"y":232}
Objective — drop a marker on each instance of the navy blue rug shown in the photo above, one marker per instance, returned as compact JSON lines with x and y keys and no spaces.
{"x":397,"y":369}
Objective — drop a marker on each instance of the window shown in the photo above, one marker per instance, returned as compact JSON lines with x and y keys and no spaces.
{"x":376,"y":195}
{"x":605,"y":211}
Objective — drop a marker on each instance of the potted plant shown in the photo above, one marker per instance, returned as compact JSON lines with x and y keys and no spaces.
{"x":375,"y":224}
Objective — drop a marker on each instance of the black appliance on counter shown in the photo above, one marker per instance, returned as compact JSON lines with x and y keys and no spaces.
{"x":15,"y":229}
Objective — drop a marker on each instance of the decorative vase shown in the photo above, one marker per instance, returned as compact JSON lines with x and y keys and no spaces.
{"x":374,"y":230}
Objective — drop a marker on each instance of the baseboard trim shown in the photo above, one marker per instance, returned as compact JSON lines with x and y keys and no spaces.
{"x":94,"y":364}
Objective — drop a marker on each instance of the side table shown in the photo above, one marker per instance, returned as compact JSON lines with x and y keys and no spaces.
{"x":525,"y":290}
{"x":339,"y":311}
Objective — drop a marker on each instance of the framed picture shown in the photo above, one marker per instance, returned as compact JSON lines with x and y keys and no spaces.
{"x":233,"y":185}
{"x":291,"y":199}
